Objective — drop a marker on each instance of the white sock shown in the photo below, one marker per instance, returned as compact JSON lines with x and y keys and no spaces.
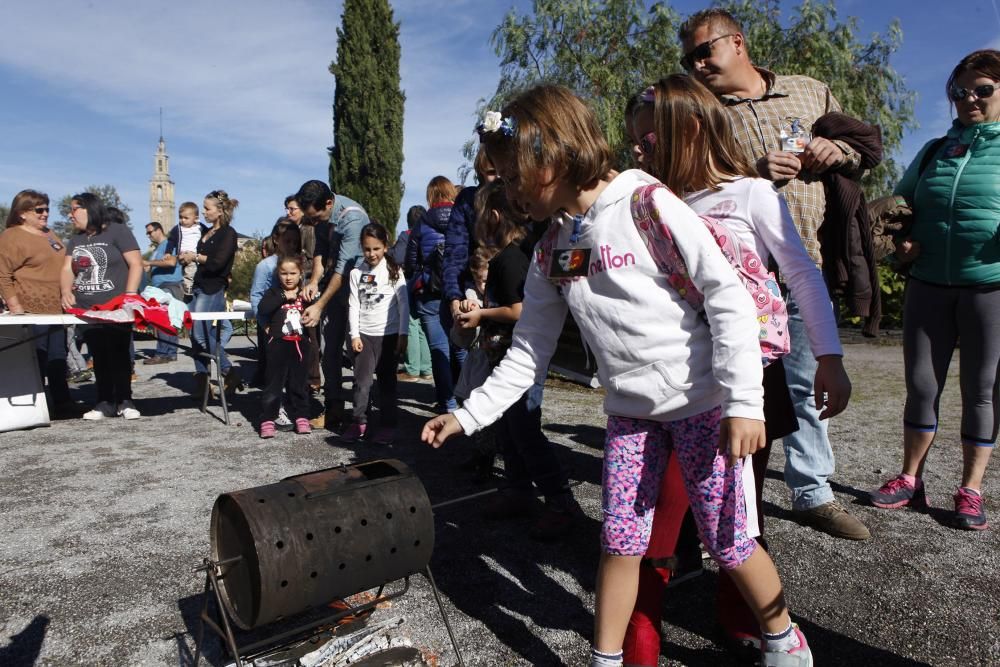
{"x":781,"y":641}
{"x":598,"y":659}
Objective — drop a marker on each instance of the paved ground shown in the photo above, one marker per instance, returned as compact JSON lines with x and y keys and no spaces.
{"x":103,"y":523}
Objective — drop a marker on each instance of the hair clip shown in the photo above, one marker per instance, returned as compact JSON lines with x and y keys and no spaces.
{"x":648,"y":96}
{"x":218,"y":194}
{"x":493,"y":121}
{"x":575,"y":234}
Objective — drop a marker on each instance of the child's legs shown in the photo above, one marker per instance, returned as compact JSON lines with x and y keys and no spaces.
{"x":385,"y":372}
{"x":364,"y":375}
{"x":278,"y":362}
{"x":529,"y":454}
{"x":642,"y":639}
{"x":732,"y":611}
{"x":718,"y":504}
{"x":297,"y":379}
{"x":635,"y":456}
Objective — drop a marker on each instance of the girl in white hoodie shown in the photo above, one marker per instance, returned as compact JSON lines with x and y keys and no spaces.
{"x":672,"y":374}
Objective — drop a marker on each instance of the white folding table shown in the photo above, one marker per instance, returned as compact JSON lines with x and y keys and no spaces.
{"x":22,"y":391}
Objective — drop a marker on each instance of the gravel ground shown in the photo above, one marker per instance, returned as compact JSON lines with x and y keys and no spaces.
{"x":104,"y":521}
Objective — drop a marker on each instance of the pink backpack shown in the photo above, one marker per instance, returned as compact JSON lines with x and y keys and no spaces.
{"x":772,"y":316}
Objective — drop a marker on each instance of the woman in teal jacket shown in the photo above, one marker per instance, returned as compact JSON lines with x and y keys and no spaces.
{"x":954,"y":289}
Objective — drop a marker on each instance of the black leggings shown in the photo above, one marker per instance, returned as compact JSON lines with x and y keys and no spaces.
{"x":109,"y":346}
{"x":287,"y":366}
{"x":935,"y":318}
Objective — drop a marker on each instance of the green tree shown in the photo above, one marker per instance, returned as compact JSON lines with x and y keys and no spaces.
{"x":366,"y":160}
{"x":107,"y":193}
{"x":244,"y":264}
{"x":604,"y":50}
{"x":607,"y":50}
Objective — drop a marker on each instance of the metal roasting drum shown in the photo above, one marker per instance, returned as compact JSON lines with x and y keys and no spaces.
{"x":311,"y":539}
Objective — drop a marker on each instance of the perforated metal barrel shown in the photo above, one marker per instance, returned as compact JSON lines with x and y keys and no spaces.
{"x":310,"y":539}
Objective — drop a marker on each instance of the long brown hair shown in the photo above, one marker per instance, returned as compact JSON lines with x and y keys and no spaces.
{"x":498,"y":222}
{"x":695,"y":146}
{"x":549,"y":126}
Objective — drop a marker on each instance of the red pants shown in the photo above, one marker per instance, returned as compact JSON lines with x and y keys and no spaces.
{"x":642,"y":639}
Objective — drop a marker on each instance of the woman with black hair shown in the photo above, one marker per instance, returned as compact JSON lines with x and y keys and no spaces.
{"x":103,"y":262}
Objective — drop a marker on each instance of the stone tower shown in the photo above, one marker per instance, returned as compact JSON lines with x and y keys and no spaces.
{"x":161,"y":190}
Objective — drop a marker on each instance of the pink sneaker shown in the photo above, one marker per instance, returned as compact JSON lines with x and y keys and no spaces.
{"x":969,"y":512}
{"x":267,"y":429}
{"x":800,"y":656}
{"x":900,"y":492}
{"x":302,"y":426}
{"x":354,"y":432}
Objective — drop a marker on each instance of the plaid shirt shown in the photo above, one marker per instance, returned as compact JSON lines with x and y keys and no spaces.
{"x":757,"y":124}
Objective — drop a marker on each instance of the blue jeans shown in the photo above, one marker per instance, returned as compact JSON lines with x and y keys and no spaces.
{"x":428,"y":310}
{"x":808,"y":455}
{"x":458,"y":354}
{"x":203,"y":333}
{"x":166,"y":345}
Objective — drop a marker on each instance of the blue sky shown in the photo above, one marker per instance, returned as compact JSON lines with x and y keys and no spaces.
{"x":247,"y":96}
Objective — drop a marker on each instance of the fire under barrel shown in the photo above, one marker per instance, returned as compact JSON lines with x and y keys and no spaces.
{"x":311,"y":539}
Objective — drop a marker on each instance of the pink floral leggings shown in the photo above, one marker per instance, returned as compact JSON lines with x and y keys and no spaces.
{"x":635,"y":457}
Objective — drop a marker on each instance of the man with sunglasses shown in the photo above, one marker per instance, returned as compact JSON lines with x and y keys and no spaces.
{"x":771,"y":118}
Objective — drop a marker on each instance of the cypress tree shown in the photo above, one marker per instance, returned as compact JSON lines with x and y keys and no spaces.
{"x":366,"y":160}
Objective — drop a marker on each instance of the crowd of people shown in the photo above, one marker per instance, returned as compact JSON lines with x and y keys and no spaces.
{"x":700,"y":280}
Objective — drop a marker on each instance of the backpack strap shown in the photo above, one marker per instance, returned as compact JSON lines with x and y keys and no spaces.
{"x":656,"y":236}
{"x":929,"y":154}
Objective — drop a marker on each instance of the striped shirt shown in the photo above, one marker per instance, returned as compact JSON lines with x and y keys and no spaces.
{"x":757,"y":124}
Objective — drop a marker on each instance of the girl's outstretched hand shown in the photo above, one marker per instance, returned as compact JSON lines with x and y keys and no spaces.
{"x":740,"y":437}
{"x":439,"y":429}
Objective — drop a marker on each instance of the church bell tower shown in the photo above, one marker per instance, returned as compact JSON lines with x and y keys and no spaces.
{"x":161,"y":188}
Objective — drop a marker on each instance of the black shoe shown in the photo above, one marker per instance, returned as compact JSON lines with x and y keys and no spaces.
{"x":68,"y":409}
{"x":233,"y":382}
{"x":510,"y":504}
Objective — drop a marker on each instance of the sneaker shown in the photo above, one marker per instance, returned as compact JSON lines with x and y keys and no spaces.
{"x":900,"y":492}
{"x":233,"y":382}
{"x":283,"y":423}
{"x":354,"y":432}
{"x":302,"y":426}
{"x":800,"y":656}
{"x":267,"y":429}
{"x":831,"y":518}
{"x":406,"y":377}
{"x":969,"y":512}
{"x":384,"y":435}
{"x":510,"y":504}
{"x":81,"y":376}
{"x":127,"y":410}
{"x":554,"y":523}
{"x":153,"y":361}
{"x":67,"y":410}
{"x":100,"y":411}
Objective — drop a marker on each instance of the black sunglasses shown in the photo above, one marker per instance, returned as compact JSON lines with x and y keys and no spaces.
{"x":979,"y":92}
{"x":700,"y":52}
{"x":41,"y":209}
